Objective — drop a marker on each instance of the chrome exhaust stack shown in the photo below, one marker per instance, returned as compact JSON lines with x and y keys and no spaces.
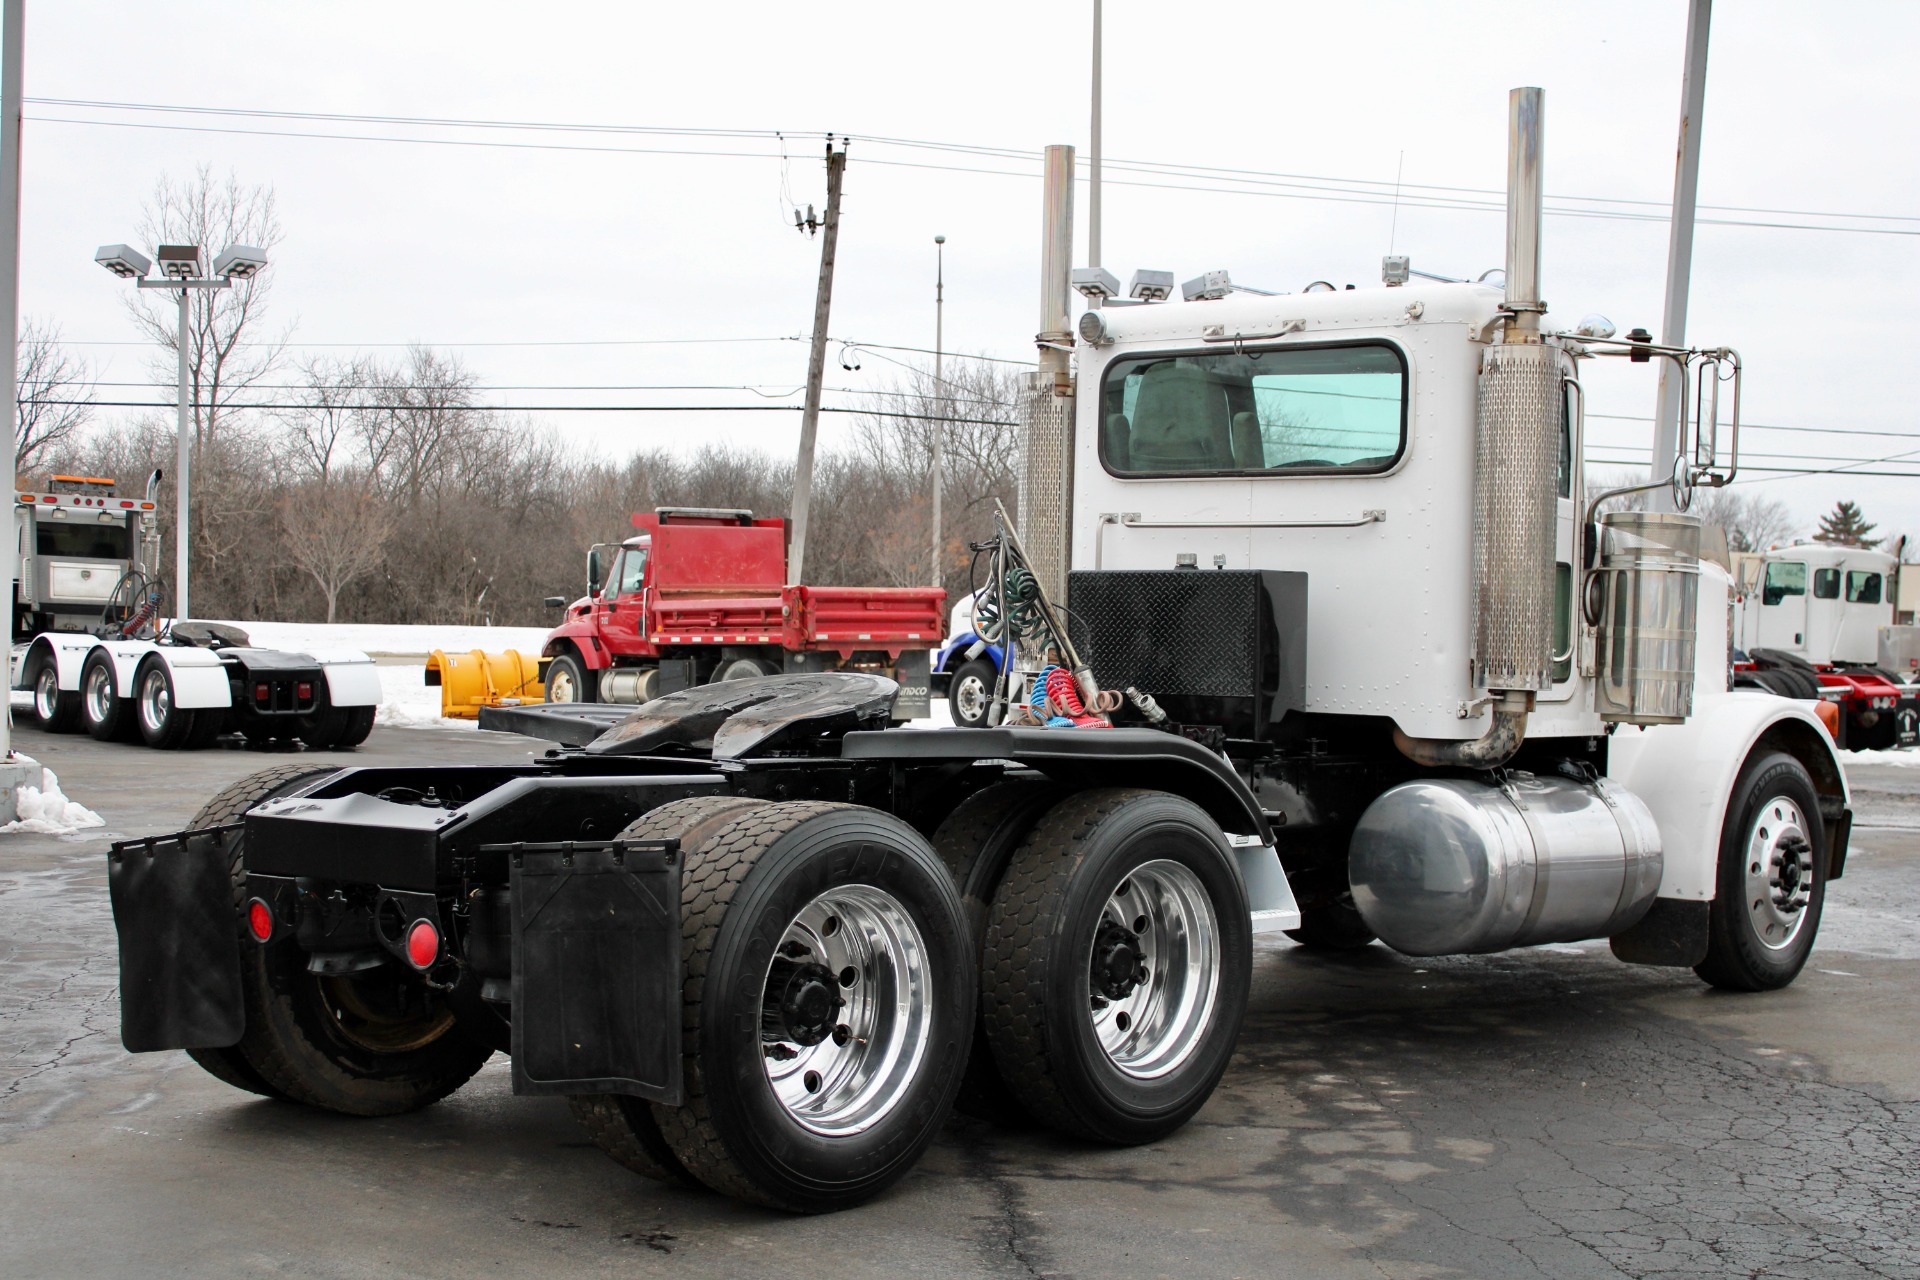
{"x":1516,"y":455}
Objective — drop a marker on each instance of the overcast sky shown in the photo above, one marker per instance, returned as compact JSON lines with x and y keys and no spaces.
{"x":627,"y":239}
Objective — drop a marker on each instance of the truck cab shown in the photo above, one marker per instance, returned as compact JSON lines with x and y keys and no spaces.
{"x":76,"y":539}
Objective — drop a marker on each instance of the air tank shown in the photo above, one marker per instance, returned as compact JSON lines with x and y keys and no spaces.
{"x":1449,"y":866}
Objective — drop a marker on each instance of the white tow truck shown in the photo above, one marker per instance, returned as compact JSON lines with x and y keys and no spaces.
{"x":93,"y":644}
{"x":1312,"y":631}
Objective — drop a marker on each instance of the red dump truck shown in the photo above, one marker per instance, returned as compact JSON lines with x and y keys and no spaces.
{"x":701,"y":595}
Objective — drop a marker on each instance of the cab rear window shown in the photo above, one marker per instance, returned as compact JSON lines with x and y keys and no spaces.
{"x":1255,"y":411}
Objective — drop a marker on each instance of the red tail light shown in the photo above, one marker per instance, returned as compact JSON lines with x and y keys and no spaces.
{"x":303,"y":691}
{"x":259,"y":920}
{"x":423,"y":944}
{"x":261,"y":693}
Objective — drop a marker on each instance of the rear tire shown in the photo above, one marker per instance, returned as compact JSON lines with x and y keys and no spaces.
{"x":774,"y":1115}
{"x":57,"y":709}
{"x":108,"y":716}
{"x":1118,"y":961}
{"x":624,"y":1127}
{"x":567,"y":681}
{"x":163,"y":726}
{"x":741,"y":669}
{"x":1772,"y":881}
{"x":359,"y":725}
{"x":977,"y":842}
{"x":230,"y":1065}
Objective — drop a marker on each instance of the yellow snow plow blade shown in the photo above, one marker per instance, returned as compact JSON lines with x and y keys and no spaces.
{"x":475,"y":679}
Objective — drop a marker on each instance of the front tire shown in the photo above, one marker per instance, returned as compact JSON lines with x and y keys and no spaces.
{"x":970,"y":696}
{"x":1772,"y":881}
{"x":827,"y":1001}
{"x":567,"y":680}
{"x":1117,"y":965}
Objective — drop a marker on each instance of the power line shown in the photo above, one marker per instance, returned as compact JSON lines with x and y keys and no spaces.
{"x":1274,"y":186}
{"x":522,"y":408}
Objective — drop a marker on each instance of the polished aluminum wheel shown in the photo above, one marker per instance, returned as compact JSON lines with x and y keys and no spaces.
{"x":970,"y":698}
{"x":1154,"y":970}
{"x":847,"y":1013}
{"x":1779,"y":873}
{"x":46,"y":692}
{"x":97,"y":694}
{"x":156,"y":700}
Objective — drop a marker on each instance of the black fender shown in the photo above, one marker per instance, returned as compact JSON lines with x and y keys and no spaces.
{"x":1086,"y":758}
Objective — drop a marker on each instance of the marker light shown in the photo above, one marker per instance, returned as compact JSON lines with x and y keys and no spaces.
{"x":423,"y":944}
{"x":259,"y":920}
{"x":303,"y":691}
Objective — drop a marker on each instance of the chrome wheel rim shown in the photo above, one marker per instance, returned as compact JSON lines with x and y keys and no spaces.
{"x":46,"y":692}
{"x":741,"y":669}
{"x":1153,"y":971}
{"x":156,"y":701}
{"x":1779,"y":873}
{"x":970,"y":699}
{"x":560,"y":685}
{"x":846,"y":1011}
{"x":98,"y":695}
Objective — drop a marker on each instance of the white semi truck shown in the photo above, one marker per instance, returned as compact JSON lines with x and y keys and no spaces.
{"x":1335,"y":648}
{"x":92,"y":642}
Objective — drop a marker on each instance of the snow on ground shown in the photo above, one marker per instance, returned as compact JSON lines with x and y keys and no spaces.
{"x":382,"y":641}
{"x":45,"y":810}
{"x":1909,"y":758}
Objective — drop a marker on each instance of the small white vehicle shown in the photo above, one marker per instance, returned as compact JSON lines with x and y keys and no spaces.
{"x":91,"y":642}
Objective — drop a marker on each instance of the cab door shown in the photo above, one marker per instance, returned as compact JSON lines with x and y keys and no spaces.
{"x":624,"y":626}
{"x":1783,"y":606}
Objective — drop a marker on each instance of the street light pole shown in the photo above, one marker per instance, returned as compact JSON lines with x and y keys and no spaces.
{"x":182,"y":463}
{"x":1093,"y":160}
{"x":940,"y":391}
{"x":12,"y":57}
{"x":183,"y":268}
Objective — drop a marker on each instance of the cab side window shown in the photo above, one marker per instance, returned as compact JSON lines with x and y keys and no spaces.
{"x":1862,"y":587}
{"x":633,"y":572}
{"x":1826,"y":584}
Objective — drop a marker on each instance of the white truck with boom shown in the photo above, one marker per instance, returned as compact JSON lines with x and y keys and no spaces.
{"x":1314,"y":633}
{"x":92,"y":642}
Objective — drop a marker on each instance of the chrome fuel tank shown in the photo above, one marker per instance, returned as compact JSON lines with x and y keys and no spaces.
{"x":1449,"y":866}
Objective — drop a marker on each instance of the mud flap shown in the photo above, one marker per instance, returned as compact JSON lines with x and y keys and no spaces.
{"x":596,"y":967}
{"x":179,"y":941}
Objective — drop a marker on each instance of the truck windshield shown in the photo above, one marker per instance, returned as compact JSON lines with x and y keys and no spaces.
{"x":82,"y":541}
{"x":1275,"y":411}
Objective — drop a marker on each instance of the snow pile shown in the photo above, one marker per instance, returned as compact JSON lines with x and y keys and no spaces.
{"x":381,"y":640}
{"x":1909,"y":758}
{"x":45,"y":810}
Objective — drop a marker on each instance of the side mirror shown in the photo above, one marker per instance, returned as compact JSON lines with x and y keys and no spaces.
{"x":556,"y":602}
{"x":593,"y":572}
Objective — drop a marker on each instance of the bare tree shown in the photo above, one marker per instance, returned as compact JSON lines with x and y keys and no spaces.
{"x":227,"y":351}
{"x":335,"y":531}
{"x":55,"y":399}
{"x":332,"y":412}
{"x":1753,"y":522}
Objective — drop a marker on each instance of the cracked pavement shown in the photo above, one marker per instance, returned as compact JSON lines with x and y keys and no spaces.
{"x":1548,"y":1112}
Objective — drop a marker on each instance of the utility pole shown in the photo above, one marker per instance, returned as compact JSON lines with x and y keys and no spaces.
{"x":1093,"y":160}
{"x":940,"y":391}
{"x":12,"y":58}
{"x":816,"y":366}
{"x":1686,"y":188}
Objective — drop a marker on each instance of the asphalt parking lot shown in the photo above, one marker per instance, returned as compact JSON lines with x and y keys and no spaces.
{"x":1548,"y":1112}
